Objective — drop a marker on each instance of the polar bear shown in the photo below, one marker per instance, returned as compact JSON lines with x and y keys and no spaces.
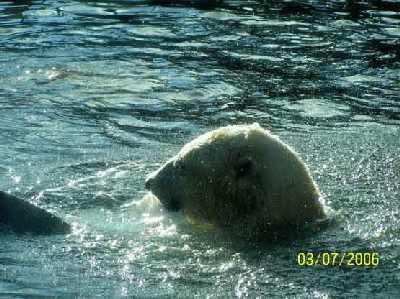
{"x":239,"y":176}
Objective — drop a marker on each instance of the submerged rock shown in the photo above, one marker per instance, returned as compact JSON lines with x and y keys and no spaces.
{"x":23,"y":217}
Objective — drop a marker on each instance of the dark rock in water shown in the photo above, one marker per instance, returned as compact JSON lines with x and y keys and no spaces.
{"x":23,"y":217}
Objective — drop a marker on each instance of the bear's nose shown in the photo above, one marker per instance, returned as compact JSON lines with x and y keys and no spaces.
{"x":148,"y":182}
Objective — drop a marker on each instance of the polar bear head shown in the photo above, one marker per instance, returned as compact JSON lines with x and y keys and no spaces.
{"x":238,"y":175}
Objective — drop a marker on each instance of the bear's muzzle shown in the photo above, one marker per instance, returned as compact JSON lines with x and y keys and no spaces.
{"x":162,"y":183}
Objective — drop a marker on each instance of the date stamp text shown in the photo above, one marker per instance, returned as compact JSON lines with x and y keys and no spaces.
{"x":350,"y":259}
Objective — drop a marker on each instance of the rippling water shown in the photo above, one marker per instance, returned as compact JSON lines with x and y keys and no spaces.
{"x":95,"y":95}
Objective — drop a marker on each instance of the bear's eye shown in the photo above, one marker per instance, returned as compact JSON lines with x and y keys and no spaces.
{"x":244,"y":167}
{"x":180,"y":166}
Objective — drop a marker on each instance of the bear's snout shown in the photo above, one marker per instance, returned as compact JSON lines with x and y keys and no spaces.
{"x":163,"y":184}
{"x":156,"y":179}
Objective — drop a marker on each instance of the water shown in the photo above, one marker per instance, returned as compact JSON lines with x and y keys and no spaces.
{"x":95,"y":95}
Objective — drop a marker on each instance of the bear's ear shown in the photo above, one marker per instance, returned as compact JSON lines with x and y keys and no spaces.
{"x":243,"y":166}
